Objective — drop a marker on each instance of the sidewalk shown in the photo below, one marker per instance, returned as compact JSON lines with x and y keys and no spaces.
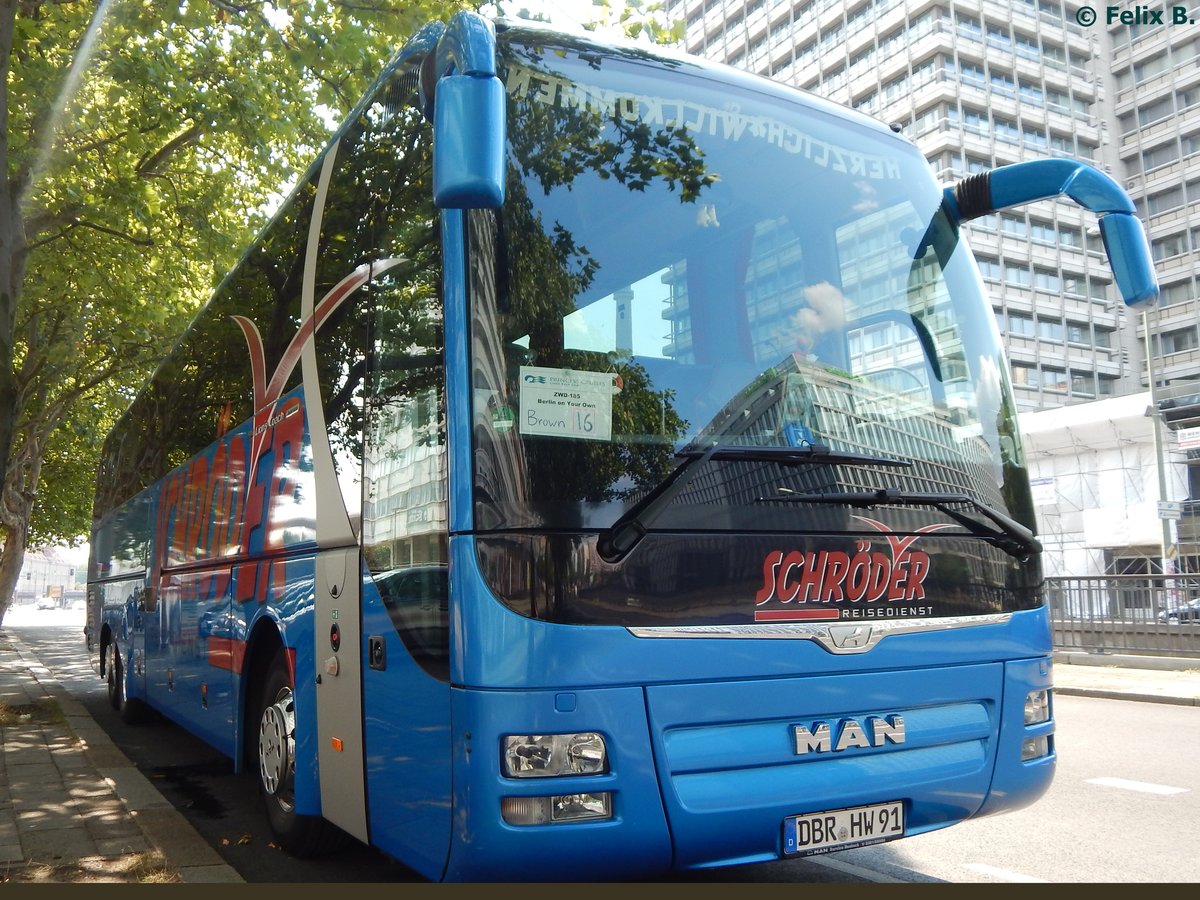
{"x":73,"y":808}
{"x":1152,"y":679}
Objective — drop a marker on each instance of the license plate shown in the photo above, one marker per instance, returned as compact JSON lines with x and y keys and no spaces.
{"x":841,"y":829}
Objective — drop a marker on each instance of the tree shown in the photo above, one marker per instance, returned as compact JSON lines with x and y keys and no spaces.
{"x":140,"y":144}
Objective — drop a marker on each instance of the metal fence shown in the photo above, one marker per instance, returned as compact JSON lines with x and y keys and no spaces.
{"x":1152,"y":615}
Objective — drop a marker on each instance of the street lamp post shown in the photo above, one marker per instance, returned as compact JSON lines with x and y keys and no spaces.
{"x":1156,"y":424}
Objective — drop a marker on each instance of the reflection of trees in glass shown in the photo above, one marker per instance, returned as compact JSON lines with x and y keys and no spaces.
{"x":379,"y":208}
{"x":204,"y":386}
{"x":544,"y":268}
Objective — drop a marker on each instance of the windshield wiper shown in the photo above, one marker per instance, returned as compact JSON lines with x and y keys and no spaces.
{"x":1009,"y":535}
{"x":623,"y":535}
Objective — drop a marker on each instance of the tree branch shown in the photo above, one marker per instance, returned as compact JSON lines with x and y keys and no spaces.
{"x":147,"y":167}
{"x":95,"y":226}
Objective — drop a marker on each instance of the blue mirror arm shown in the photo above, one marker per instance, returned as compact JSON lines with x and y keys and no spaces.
{"x":1041,"y":179}
{"x":467,"y":46}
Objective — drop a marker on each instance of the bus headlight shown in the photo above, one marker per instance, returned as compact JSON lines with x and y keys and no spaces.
{"x":1037,"y":707}
{"x":1034,"y":748}
{"x":547,"y":755}
{"x":556,"y":810}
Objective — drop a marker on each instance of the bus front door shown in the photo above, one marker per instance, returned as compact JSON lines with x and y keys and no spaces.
{"x":340,"y":751}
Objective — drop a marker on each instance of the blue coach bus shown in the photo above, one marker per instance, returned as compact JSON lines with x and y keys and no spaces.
{"x":604,"y":464}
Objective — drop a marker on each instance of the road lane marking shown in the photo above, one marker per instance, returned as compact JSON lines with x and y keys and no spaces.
{"x":1142,"y":786}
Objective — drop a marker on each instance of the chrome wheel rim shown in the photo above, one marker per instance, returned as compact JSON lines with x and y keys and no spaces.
{"x":277,"y":746}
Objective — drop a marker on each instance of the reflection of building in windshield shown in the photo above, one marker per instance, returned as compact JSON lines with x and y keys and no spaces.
{"x":404,"y":514}
{"x":763,"y":267}
{"x":797,"y":403}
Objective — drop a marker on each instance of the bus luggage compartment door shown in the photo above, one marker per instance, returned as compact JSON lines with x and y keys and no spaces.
{"x":339,"y":691}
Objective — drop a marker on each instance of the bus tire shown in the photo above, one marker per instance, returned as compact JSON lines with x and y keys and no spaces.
{"x":110,"y":675}
{"x":131,"y":711}
{"x":275,"y":761}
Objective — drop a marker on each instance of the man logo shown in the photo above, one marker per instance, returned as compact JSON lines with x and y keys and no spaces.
{"x":850,"y":637}
{"x":873,"y":732}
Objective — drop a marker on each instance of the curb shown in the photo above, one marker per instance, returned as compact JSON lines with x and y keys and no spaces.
{"x":1125,"y":695}
{"x":1127,"y":661}
{"x":166,"y":829}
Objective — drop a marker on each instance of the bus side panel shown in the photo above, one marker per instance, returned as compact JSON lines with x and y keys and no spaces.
{"x":635,"y":841}
{"x":117,"y":605}
{"x":189,"y":655}
{"x":407,"y":738}
{"x":119,"y":549}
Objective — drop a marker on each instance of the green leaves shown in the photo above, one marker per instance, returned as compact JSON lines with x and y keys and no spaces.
{"x":145,"y":184}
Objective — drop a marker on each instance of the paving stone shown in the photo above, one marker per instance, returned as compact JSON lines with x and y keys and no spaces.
{"x":121,"y":845}
{"x":27,"y":755}
{"x":134,"y":789}
{"x":68,"y":795}
{"x":23,"y":778}
{"x":46,"y":817}
{"x":57,"y":845}
{"x":11,"y":852}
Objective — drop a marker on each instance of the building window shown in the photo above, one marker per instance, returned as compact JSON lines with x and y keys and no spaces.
{"x":1165,"y":200}
{"x":1179,"y":292}
{"x":1155,"y":111}
{"x":1164,"y":248}
{"x":1083,"y":383}
{"x":1046,"y":280}
{"x":1017,"y":275}
{"x":1050,"y":330}
{"x":1180,"y":340}
{"x":1020,"y":325}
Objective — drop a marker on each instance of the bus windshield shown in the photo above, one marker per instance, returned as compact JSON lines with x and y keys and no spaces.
{"x":681,"y":266}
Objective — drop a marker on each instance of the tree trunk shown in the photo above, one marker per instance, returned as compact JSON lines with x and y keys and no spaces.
{"x":12,"y":248}
{"x":11,"y":558}
{"x":16,"y":506}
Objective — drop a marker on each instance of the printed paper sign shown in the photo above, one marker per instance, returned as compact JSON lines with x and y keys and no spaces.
{"x":567,"y":403}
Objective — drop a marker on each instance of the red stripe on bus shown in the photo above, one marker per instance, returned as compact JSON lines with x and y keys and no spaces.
{"x":786,"y":615}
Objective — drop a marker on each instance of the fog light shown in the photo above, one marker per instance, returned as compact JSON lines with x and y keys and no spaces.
{"x":1033,"y":748}
{"x":1037,"y":707}
{"x":547,"y":755}
{"x":556,"y":810}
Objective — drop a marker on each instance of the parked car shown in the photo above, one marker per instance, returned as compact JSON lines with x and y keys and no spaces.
{"x":1188,"y":612}
{"x":47,"y":603}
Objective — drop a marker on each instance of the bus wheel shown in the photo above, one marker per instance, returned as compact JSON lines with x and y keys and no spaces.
{"x":276,"y":758}
{"x":131,"y":711}
{"x":110,"y":674}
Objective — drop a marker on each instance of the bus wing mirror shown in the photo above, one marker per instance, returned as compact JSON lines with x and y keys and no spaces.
{"x":1122,"y":232}
{"x":1128,"y":254}
{"x":464,"y":98}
